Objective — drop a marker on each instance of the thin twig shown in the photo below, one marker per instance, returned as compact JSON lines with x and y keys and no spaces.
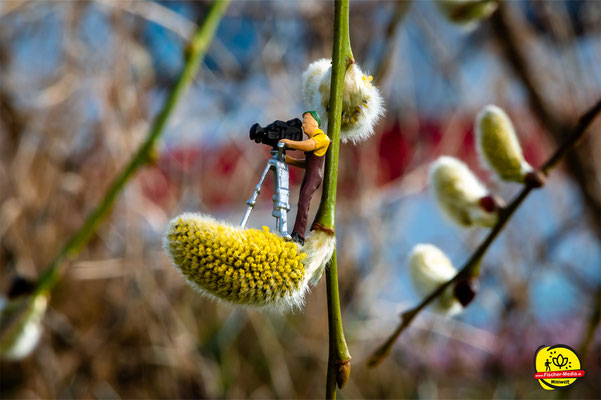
{"x":194,"y":54}
{"x":408,"y":316}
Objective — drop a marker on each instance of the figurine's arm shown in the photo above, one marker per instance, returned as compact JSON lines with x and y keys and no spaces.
{"x":305,"y":145}
{"x":296,"y":162}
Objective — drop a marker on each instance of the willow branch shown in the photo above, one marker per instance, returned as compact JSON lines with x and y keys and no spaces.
{"x":194,"y":55}
{"x":339,"y":356}
{"x":504,"y":30}
{"x":407,"y":317}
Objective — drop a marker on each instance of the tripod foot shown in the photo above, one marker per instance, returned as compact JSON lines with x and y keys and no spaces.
{"x":295,"y":237}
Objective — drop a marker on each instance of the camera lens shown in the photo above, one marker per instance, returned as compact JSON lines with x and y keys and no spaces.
{"x":256,"y":131}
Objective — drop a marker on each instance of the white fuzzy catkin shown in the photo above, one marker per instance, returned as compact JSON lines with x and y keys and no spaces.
{"x":319,"y":248}
{"x":498,"y":145}
{"x":430,"y":268}
{"x":310,"y":83}
{"x":21,"y":325}
{"x":458,"y":192}
{"x":362,"y":104}
{"x":466,"y":12}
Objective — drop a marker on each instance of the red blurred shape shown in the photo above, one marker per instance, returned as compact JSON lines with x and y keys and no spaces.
{"x":394,"y":151}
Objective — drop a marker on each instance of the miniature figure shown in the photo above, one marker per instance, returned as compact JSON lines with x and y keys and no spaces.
{"x":315,"y":148}
{"x":270,"y":135}
{"x":281,"y":135}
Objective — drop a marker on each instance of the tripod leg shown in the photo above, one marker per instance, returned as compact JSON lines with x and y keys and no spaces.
{"x":281,"y":198}
{"x":253,"y":199}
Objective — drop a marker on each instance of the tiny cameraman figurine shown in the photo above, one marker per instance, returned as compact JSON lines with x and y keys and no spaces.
{"x":315,"y":148}
{"x":280,"y":135}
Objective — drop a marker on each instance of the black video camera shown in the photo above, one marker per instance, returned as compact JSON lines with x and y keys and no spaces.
{"x":277,"y":130}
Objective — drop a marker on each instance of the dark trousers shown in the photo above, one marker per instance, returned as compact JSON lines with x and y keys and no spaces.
{"x":311,"y":181}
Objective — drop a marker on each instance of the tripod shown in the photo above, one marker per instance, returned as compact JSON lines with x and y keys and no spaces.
{"x":281,"y":191}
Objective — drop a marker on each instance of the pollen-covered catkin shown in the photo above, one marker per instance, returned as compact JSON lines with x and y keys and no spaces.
{"x":250,"y":267}
{"x":459,"y":193}
{"x":362,"y":104}
{"x":430,"y":268}
{"x":498,"y":145}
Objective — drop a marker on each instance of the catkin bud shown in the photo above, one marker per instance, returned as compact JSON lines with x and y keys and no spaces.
{"x":430,"y":268}
{"x":465,"y":12}
{"x":21,"y":325}
{"x":465,"y":290}
{"x":343,"y":373}
{"x":498,"y":145}
{"x":249,"y":267}
{"x":460,"y":195}
{"x":362,"y":104}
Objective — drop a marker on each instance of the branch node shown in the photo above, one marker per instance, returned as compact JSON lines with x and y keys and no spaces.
{"x":465,"y":290}
{"x":344,"y":371}
{"x":319,"y":227}
{"x":535,"y":179}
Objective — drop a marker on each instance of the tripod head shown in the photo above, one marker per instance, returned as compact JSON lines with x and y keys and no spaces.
{"x":280,"y":152}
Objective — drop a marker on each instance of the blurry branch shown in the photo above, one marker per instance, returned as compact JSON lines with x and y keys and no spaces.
{"x":543,"y":252}
{"x":10,"y":118}
{"x":473,"y":262}
{"x":339,"y":358}
{"x":552,"y":240}
{"x":156,"y":13}
{"x":504,"y":29}
{"x":178,"y":24}
{"x":592,"y":325}
{"x":588,"y":336}
{"x":194,"y":54}
{"x":383,"y":64}
{"x":6,"y":7}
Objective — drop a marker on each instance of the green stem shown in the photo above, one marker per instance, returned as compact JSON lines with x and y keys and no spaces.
{"x":342,"y":57}
{"x":195,"y":52}
{"x":339,"y":357}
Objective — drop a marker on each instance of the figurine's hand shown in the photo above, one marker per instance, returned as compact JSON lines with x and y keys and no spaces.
{"x":305,"y":145}
{"x":295,"y":162}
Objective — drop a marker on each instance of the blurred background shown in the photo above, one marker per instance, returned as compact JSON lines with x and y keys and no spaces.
{"x":80,"y":83}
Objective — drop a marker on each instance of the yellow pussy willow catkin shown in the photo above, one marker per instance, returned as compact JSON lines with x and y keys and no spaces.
{"x":243,"y":266}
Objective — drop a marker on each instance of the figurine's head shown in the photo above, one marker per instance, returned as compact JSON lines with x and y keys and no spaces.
{"x":311,"y":121}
